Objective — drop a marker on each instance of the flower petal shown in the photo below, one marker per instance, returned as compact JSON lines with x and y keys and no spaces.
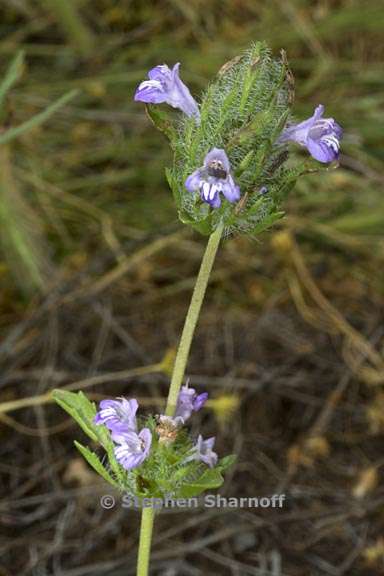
{"x":126,"y":458}
{"x":132,"y":448}
{"x":337,"y":129}
{"x":299,"y":132}
{"x":161,"y":73}
{"x":104,"y":404}
{"x":118,"y":415}
{"x":130,"y":406}
{"x":323,"y":151}
{"x":210,"y":194}
{"x":230,"y":190}
{"x":151,"y":92}
{"x":210,"y":459}
{"x":199,"y":401}
{"x":203,"y":451}
{"x":217,"y":154}
{"x":210,"y":442}
{"x":321,"y":136}
{"x":183,"y":99}
{"x":193,"y":181}
{"x":165,"y":85}
{"x":129,"y":437}
{"x":213,"y":179}
{"x":146,"y":436}
{"x":205,"y":190}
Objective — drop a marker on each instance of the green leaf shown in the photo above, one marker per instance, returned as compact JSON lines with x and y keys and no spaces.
{"x":80,"y":408}
{"x":83,"y":411}
{"x":104,"y":438}
{"x":254,"y":209}
{"x":228,"y":66}
{"x":173,"y":184}
{"x":267,"y":222}
{"x":244,"y":164}
{"x":250,"y":78}
{"x":38,"y":118}
{"x":247,"y":133}
{"x":12,"y":75}
{"x":226,"y":462}
{"x":209,"y":480}
{"x":182,"y":472}
{"x":162,"y":121}
{"x":280,"y":125}
{"x":146,"y":486}
{"x":200,"y":221}
{"x":94,"y":461}
{"x":205,"y":227}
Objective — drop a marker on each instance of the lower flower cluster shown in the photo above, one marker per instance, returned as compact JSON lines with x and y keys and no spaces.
{"x":147,"y":456}
{"x":133,"y":447}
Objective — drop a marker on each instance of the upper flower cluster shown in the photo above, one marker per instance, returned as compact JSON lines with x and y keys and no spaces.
{"x":241,"y":121}
{"x":133,"y":447}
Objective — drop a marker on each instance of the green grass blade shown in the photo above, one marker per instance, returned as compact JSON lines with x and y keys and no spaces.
{"x":38,"y":118}
{"x":12,"y":75}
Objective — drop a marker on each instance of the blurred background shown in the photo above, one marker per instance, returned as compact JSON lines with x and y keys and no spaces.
{"x":96,"y":275}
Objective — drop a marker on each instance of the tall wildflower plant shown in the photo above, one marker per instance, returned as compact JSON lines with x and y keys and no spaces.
{"x":231,"y":172}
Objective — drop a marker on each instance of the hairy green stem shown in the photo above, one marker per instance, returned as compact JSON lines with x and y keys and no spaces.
{"x":191,"y":319}
{"x":147,"y":515}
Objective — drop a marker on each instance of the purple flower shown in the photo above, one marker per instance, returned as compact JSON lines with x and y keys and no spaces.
{"x":321,"y":136}
{"x":202,"y":451}
{"x":164,"y":85}
{"x":188,"y":401}
{"x":199,"y":401}
{"x":132,"y":448}
{"x":118,"y":415}
{"x":212,"y":178}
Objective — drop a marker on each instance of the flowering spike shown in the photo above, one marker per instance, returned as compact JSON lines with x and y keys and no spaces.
{"x":165,"y":85}
{"x":241,"y":122}
{"x":213,"y":178}
{"x":321,"y":136}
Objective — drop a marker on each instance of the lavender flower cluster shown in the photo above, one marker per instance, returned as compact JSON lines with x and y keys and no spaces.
{"x":133,"y":447}
{"x":214,"y":179}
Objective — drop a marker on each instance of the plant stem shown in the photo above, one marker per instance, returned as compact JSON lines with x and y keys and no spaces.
{"x":191,"y":319}
{"x":147,"y":517}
